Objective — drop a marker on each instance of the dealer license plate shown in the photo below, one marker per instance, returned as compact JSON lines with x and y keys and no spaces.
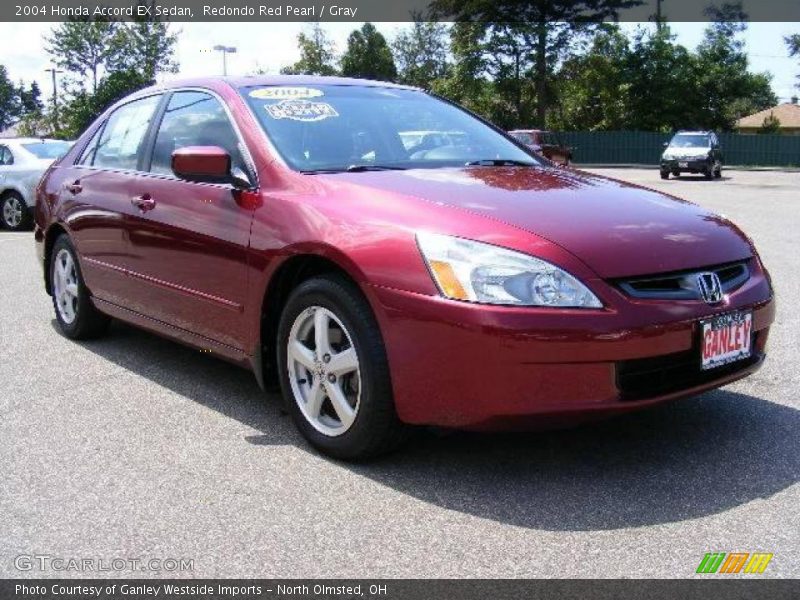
{"x":726,"y":339}
{"x":683,"y":165}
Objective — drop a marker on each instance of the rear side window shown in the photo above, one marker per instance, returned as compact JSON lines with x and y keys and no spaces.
{"x":122,"y":141}
{"x":87,"y":157}
{"x":194,"y":119}
{"x":6,"y":158}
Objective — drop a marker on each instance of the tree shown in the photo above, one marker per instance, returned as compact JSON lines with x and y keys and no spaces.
{"x":82,"y":46}
{"x":771,"y":124}
{"x":317,"y":54}
{"x":30,"y":99}
{"x":592,"y":89}
{"x":368,"y":55}
{"x":728,"y":90}
{"x":793,"y":43}
{"x":145,"y":45}
{"x":85,"y":107}
{"x":526,"y":40}
{"x":9,"y":100}
{"x":662,"y":76}
{"x":420,"y":53}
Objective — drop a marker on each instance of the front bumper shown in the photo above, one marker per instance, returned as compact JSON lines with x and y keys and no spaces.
{"x":692,"y":165}
{"x":462,"y":365}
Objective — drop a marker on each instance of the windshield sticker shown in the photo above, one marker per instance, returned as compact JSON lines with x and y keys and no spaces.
{"x":285,"y":93}
{"x":301,"y":110}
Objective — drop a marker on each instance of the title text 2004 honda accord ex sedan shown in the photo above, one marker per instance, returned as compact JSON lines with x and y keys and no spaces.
{"x":391,"y":260}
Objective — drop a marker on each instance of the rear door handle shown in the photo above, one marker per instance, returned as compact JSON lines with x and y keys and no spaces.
{"x":144,"y":202}
{"x":75,"y":187}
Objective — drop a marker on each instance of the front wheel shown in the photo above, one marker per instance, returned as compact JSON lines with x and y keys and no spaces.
{"x":15,"y":214}
{"x":76,"y":316}
{"x":334,"y":373}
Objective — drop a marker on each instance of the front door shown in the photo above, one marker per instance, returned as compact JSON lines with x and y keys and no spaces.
{"x":188,"y":241}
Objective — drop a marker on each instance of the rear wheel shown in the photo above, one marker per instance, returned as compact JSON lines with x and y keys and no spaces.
{"x":15,"y":213}
{"x":334,"y":373}
{"x":76,"y":316}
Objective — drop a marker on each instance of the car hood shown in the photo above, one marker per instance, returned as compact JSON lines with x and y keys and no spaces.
{"x":688,"y":152}
{"x":617,"y":229}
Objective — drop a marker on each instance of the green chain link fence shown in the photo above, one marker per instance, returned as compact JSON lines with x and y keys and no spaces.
{"x":645,"y":148}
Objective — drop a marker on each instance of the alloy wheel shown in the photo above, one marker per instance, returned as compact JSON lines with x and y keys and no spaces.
{"x":12,"y":212}
{"x":324,"y":371}
{"x":65,"y":286}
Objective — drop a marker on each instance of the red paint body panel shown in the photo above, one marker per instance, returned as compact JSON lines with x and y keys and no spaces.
{"x":196,"y":262}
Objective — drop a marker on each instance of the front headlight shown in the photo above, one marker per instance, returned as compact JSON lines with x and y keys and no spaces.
{"x":477,"y":272}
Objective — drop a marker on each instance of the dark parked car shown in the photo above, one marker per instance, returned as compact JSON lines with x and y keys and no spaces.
{"x":292,"y":226}
{"x":544,"y":143}
{"x":692,"y":152}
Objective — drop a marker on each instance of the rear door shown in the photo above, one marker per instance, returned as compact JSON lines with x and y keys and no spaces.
{"x":96,"y":195}
{"x":189,"y":241}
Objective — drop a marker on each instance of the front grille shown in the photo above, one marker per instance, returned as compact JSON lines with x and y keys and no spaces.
{"x":644,"y":378}
{"x":682,"y":285}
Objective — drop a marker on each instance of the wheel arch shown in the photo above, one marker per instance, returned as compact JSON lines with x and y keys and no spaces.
{"x":291,"y":272}
{"x":50,"y":237}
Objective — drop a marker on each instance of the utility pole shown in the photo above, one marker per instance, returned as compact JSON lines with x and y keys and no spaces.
{"x":54,"y":72}
{"x":658,"y":15}
{"x":225,"y":51}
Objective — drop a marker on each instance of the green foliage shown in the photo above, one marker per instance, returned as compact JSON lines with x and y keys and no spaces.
{"x":420,"y":53}
{"x":145,"y":45}
{"x":9,"y":100}
{"x":771,"y":124}
{"x":120,"y":57}
{"x":85,"y":107}
{"x":793,"y":44}
{"x":82,"y":46}
{"x":368,"y":55}
{"x":593,"y":88}
{"x":522,"y":44}
{"x":317,"y":54}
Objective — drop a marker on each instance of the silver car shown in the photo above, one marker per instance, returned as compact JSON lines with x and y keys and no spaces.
{"x":22,"y":163}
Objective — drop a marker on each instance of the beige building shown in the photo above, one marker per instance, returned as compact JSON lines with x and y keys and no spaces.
{"x":788,"y":115}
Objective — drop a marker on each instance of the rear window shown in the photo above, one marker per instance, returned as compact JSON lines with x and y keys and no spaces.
{"x":48,"y":149}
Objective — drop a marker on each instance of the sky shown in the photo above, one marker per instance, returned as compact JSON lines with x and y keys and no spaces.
{"x":270,"y":46}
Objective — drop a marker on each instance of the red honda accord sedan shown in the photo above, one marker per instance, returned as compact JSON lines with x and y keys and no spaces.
{"x":390,"y":260}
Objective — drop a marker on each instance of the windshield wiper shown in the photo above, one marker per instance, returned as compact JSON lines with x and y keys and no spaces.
{"x":360,"y":168}
{"x":499,"y":162}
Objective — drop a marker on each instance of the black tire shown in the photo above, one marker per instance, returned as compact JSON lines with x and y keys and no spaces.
{"x":376,"y":429}
{"x":709,"y":173}
{"x":664,"y":174}
{"x":88,"y":322}
{"x":718,"y":172}
{"x":24,"y":222}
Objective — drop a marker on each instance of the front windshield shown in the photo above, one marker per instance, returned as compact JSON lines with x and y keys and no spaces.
{"x":47,"y":150}
{"x":335,"y":128}
{"x":690,"y":141}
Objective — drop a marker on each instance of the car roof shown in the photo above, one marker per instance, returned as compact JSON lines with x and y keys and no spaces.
{"x":693,"y":132}
{"x":264,"y":80}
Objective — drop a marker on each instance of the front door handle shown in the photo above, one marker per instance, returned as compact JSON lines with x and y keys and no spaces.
{"x":74,"y":188}
{"x":144,"y":202}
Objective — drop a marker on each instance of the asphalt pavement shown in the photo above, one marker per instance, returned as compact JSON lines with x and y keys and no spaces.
{"x":134,"y":447}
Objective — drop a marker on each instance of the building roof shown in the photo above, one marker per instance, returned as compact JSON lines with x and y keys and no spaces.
{"x":788,"y":114}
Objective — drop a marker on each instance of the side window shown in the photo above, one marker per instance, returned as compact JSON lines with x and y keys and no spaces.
{"x":121,"y":143}
{"x":6,"y":158}
{"x":87,"y":158}
{"x":194,"y":119}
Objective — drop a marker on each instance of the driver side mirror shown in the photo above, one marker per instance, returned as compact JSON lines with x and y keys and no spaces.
{"x":207,"y":164}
